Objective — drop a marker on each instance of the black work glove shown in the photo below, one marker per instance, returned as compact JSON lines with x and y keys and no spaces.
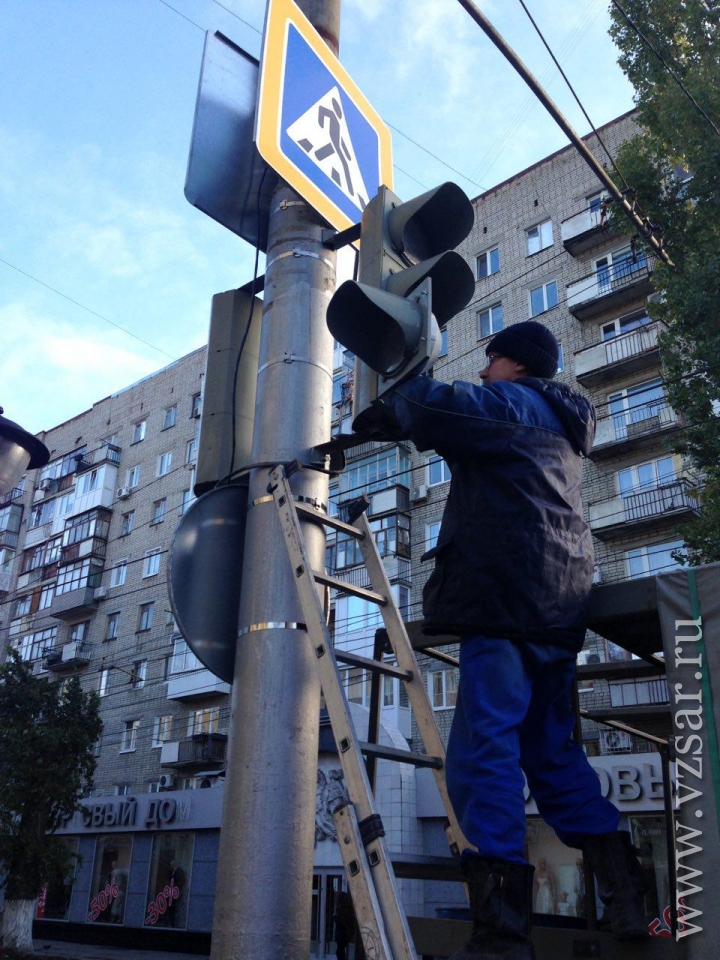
{"x":379,"y":423}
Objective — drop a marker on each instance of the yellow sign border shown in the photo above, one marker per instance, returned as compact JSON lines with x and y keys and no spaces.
{"x":280,"y":14}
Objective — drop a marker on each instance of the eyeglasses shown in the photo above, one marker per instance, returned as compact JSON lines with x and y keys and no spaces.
{"x":492,"y":357}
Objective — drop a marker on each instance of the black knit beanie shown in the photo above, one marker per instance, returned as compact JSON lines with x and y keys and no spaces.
{"x":529,"y":343}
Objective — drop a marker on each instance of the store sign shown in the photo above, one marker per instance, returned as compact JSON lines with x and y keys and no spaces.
{"x":174,"y":810}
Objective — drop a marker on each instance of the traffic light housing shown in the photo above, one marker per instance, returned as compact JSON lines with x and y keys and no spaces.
{"x":410,"y":283}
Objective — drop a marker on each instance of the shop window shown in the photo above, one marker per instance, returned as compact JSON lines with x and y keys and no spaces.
{"x":54,"y":900}
{"x":110,"y":879}
{"x":169,"y":882}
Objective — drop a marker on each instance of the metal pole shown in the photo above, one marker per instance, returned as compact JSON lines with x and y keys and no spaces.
{"x":264,"y":887}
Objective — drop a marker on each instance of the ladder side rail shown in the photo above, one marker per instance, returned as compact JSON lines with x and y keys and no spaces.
{"x":376,"y":690}
{"x":416,"y":689}
{"x":392,"y":915}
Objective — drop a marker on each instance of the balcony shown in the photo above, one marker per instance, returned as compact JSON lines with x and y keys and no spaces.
{"x":92,"y":547}
{"x":5,"y":577}
{"x":584,"y":231}
{"x":8,"y":539}
{"x":620,"y":357}
{"x":196,"y":683}
{"x":617,"y":517}
{"x":633,"y":430}
{"x":7,"y":498}
{"x":195,"y":751}
{"x":74,"y":603}
{"x":610,"y":287}
{"x":76,"y":653}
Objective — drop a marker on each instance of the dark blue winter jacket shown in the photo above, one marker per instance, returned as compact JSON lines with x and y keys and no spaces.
{"x":514,"y":557}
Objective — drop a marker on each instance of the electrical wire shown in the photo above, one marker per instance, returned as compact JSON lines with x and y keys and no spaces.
{"x":667,"y":66}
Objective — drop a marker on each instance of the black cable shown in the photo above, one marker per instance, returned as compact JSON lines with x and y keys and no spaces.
{"x":667,"y":66}
{"x":572,"y":91}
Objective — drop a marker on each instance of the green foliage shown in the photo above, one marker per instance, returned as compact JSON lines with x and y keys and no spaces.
{"x":46,"y":766}
{"x":676,"y":137}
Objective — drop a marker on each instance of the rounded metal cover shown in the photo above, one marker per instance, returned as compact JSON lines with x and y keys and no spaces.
{"x":206,"y":560}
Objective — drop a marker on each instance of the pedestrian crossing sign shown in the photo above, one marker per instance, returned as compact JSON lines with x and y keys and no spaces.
{"x":313,"y":125}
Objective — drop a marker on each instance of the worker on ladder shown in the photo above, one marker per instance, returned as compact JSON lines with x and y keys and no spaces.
{"x":513,"y":573}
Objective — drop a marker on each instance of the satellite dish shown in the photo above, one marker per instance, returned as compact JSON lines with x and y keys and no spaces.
{"x":206,"y":561}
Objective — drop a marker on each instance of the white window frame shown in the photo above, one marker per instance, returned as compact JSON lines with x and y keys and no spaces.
{"x":159,"y":511}
{"x":128,"y":743}
{"x":151,"y":563}
{"x":191,"y":450}
{"x":641,"y":559}
{"x":443,"y":688}
{"x":146,"y":616}
{"x":139,"y":677}
{"x":132,"y":477}
{"x":113,"y":619}
{"x":139,"y":431}
{"x":636,"y":485}
{"x":539,"y":237}
{"x":162,"y":730}
{"x":494,"y":315}
{"x":118,"y":573}
{"x":170,"y":418}
{"x":206,"y":720}
{"x":546,"y":300}
{"x":432,"y":532}
{"x":164,"y":463}
{"x":437,"y":462}
{"x":104,"y":681}
{"x":486,"y":258}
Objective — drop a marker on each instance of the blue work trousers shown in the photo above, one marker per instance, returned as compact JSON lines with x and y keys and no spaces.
{"x":514,"y":714}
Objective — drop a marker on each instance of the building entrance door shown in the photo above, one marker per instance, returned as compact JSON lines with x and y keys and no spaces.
{"x":326,"y":887}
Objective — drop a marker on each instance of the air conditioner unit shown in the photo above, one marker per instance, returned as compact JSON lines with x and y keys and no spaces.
{"x":167,"y":781}
{"x":615,"y":741}
{"x":46,"y":484}
{"x":123,"y":493}
{"x":419,"y":493}
{"x":100,"y":593}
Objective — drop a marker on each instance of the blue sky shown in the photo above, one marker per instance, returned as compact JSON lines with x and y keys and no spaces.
{"x":96,"y":108}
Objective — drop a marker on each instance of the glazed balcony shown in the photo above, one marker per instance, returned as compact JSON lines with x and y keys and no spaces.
{"x":610,"y":287}
{"x":623,"y":515}
{"x":196,"y":683}
{"x":620,"y":357}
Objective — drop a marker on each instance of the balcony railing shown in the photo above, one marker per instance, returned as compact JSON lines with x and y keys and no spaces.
{"x":619,"y":357}
{"x":76,"y":653}
{"x":610,"y":517}
{"x":583,"y":231}
{"x":634,"y":428}
{"x":7,"y":498}
{"x":610,"y":286}
{"x":198,"y":750}
{"x":631,"y":693}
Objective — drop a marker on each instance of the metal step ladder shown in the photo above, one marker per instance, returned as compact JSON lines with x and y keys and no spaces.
{"x":371,"y":878}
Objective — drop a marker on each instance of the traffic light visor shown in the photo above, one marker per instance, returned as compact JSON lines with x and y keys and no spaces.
{"x":434,"y":222}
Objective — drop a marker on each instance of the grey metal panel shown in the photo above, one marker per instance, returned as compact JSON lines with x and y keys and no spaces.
{"x":206,"y":560}
{"x":225,"y":171}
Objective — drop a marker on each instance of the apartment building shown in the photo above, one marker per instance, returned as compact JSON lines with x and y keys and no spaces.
{"x":84,"y":550}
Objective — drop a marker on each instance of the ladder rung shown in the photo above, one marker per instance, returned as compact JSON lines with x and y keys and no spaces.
{"x":442,"y":657}
{"x":413,"y":866}
{"x":346,"y":587}
{"x":317,"y":516}
{"x":369,"y":664}
{"x":401,"y":756}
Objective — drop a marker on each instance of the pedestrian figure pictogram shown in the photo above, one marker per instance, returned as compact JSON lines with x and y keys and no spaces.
{"x":322,"y":132}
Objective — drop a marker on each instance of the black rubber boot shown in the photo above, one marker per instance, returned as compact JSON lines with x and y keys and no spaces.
{"x":501,"y":908}
{"x":622,"y":883}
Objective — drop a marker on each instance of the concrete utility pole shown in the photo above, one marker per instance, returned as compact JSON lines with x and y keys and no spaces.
{"x":264,"y":886}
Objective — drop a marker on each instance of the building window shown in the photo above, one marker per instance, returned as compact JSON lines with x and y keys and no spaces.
{"x":633,"y":321}
{"x":490,"y":321}
{"x":112,"y":626}
{"x":22,"y":605}
{"x":88,"y":482}
{"x":487,"y":263}
{"x":78,"y":631}
{"x":195,"y":405}
{"x":139,"y":431}
{"x":646,"y":476}
{"x":375,"y":473}
{"x":146,"y":617}
{"x":443,"y":342}
{"x":46,"y":597}
{"x":132,"y":477}
{"x":118,"y":573}
{"x":162,"y":730}
{"x":443,"y":687}
{"x":651,"y":560}
{"x":438,"y":471}
{"x":170,"y":418}
{"x":613,"y":269}
{"x":85,"y":573}
{"x":539,"y":237}
{"x":139,"y":676}
{"x":188,"y":497}
{"x":151,"y":563}
{"x":204,"y":721}
{"x":595,"y":201}
{"x":432,"y":532}
{"x":87,"y":525}
{"x":42,"y":513}
{"x":543,"y":298}
{"x":183,"y":659}
{"x":104,"y":682}
{"x":635,"y":406}
{"x":164,"y":464}
{"x":129,"y":736}
{"x":128,"y":521}
{"x":191,"y":449}
{"x":159,"y":509}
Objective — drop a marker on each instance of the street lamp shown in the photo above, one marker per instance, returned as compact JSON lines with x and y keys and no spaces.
{"x":19,"y":451}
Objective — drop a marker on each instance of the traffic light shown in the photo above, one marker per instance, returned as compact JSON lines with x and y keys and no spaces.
{"x":410,"y":283}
